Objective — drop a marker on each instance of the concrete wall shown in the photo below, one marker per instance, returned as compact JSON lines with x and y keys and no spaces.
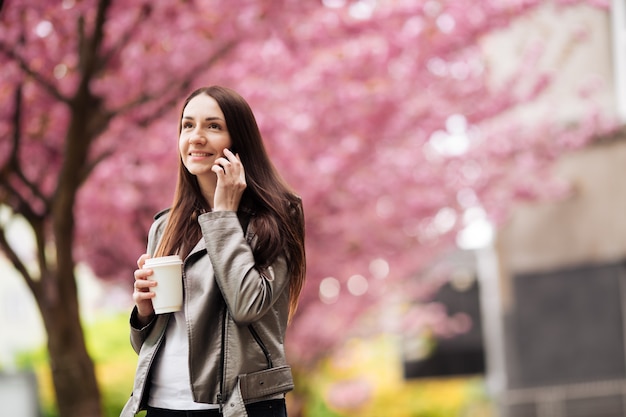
{"x":589,"y":227}
{"x":554,"y":297}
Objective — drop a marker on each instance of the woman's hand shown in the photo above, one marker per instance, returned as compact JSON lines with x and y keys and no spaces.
{"x":231,"y":182}
{"x":141,"y":294}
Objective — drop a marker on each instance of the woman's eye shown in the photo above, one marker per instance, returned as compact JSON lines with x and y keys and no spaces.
{"x":186,"y":125}
{"x":214,"y":126}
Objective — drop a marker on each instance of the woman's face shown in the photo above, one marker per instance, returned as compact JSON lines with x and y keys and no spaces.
{"x":203,"y":136}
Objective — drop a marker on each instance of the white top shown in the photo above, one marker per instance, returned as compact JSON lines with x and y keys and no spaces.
{"x":170,"y":387}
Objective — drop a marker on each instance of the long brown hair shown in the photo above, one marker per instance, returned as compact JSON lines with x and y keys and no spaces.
{"x":274,"y":210}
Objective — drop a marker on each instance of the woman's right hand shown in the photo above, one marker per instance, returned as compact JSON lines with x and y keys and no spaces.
{"x":141,"y":294}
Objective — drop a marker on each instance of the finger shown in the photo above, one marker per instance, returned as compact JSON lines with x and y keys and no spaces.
{"x":142,"y":260}
{"x":219,"y":170}
{"x":234,"y":163}
{"x":230,"y":157}
{"x":139,"y":296}
{"x":144,"y":285}
{"x":233,"y":158}
{"x":226,"y":165}
{"x":142,"y":273}
{"x":228,"y":153}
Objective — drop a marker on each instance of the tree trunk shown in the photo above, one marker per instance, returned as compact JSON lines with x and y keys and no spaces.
{"x":73,"y":372}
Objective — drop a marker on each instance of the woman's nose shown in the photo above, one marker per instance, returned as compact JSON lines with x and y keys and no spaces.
{"x":197,"y":139}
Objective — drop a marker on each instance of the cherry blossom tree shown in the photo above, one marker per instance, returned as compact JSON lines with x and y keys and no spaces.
{"x":379,"y":114}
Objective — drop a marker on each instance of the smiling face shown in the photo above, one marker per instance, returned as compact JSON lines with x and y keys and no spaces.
{"x":203,"y":137}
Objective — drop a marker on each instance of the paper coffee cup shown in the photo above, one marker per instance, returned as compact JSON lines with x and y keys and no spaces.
{"x":167,"y":272}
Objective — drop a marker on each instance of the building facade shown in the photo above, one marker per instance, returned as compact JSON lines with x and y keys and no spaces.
{"x":554,"y":282}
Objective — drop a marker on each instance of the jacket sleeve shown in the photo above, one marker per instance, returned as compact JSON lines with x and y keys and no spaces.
{"x":248,"y":292}
{"x":139,"y":334}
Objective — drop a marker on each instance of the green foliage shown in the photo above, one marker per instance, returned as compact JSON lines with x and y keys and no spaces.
{"x":26,"y":360}
{"x":109,"y":346}
{"x":317,"y":407}
{"x":108,"y":343}
{"x":373,"y":364}
{"x":364,"y":378}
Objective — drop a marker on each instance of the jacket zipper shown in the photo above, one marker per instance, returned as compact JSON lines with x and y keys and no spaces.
{"x":258,"y":340}
{"x":220,"y":397}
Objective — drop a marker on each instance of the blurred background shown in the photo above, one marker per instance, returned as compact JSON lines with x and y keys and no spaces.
{"x":460,"y":164}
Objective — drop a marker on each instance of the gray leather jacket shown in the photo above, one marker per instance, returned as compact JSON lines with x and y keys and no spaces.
{"x":236,"y":318}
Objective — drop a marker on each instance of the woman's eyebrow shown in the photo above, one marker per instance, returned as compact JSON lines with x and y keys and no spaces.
{"x":207,"y":119}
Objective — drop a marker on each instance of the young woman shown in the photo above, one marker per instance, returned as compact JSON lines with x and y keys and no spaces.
{"x":240,"y":231}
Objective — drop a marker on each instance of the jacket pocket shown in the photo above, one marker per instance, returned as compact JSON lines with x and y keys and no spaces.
{"x":259,"y":341}
{"x":266,"y":382}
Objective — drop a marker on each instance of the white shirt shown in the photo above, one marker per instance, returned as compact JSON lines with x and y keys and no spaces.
{"x":170,"y":386}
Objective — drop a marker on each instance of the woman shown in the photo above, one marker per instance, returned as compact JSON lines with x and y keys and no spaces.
{"x":240,"y":231}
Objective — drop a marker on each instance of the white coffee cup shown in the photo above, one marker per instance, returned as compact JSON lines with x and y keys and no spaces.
{"x":167,"y":272}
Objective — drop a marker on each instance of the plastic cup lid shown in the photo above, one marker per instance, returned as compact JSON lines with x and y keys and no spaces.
{"x":164,"y":260}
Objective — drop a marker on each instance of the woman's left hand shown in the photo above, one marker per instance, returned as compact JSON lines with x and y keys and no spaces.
{"x":231,"y":182}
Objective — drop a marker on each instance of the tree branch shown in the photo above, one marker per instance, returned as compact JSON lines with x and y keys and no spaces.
{"x":183,"y":84}
{"x":13,"y":166}
{"x":616,"y":135}
{"x":89,"y":46}
{"x":16,"y":261}
{"x":90,"y":166}
{"x":124,"y":40}
{"x":38,"y":78}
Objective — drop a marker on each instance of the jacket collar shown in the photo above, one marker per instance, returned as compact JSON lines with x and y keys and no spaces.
{"x":200,"y":246}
